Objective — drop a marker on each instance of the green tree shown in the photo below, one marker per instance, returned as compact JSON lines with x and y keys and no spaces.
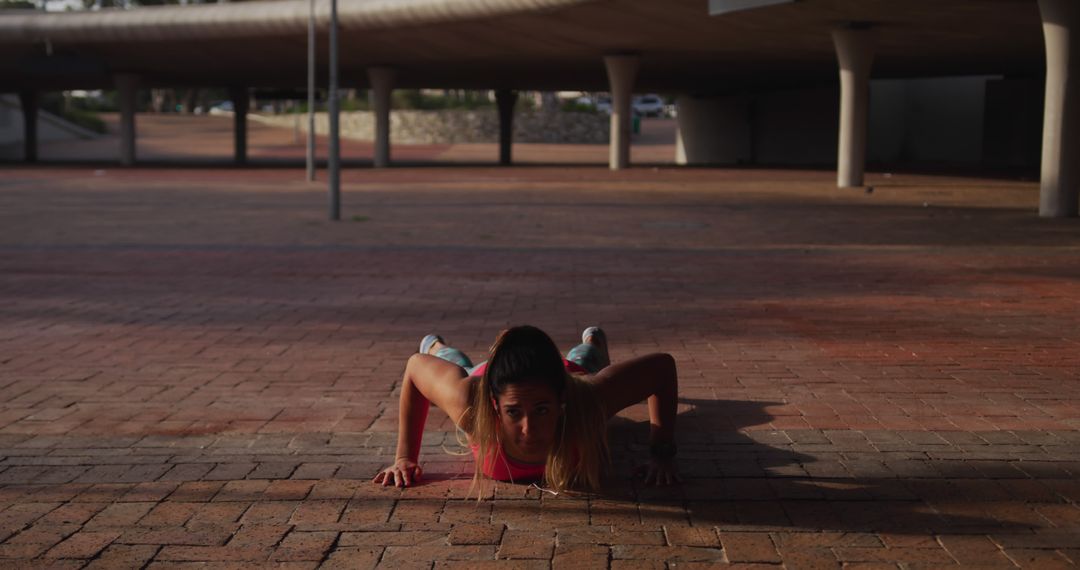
{"x":17,"y":5}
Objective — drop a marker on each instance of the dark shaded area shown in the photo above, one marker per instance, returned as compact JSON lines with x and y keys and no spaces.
{"x":732,"y":479}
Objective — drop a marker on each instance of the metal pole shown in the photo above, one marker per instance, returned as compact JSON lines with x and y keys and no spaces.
{"x":335,"y":150}
{"x":311,"y":93}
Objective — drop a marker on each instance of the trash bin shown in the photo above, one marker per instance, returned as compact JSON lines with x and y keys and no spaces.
{"x":635,"y":124}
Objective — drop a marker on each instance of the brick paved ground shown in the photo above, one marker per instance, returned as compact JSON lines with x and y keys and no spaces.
{"x":196,"y":367}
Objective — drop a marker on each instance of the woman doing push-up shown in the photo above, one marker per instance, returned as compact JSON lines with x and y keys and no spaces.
{"x":531,"y":415}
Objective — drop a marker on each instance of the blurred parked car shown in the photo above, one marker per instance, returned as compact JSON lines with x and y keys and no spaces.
{"x":603,"y":104}
{"x":221,"y":108}
{"x":650,"y":105}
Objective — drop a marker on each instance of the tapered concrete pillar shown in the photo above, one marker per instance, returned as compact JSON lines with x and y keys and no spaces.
{"x":621,"y":72}
{"x":127,"y":89}
{"x":505,"y":99}
{"x":382,"y":85}
{"x":240,"y":100}
{"x":28,"y":100}
{"x":1059,"y":185}
{"x":855,"y":53}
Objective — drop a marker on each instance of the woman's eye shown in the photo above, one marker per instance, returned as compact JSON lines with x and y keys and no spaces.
{"x":541,"y":411}
{"x":514,"y":414}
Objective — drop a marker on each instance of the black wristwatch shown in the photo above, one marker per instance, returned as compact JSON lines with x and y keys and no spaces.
{"x":663,"y":449}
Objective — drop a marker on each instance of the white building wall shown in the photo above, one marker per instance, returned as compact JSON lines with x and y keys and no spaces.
{"x":713,"y":131}
{"x":937,"y":120}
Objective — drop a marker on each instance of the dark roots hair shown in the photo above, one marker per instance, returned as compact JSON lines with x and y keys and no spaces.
{"x":527,"y":354}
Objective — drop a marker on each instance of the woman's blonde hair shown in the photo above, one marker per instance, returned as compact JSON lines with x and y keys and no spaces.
{"x":527,"y":354}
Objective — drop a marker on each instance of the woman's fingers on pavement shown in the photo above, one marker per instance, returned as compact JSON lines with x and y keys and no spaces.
{"x":659,"y":476}
{"x":398,"y":477}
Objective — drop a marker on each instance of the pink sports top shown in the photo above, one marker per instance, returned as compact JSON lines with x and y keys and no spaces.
{"x":501,"y":466}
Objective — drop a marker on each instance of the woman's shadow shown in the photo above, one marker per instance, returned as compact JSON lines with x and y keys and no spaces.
{"x":739,"y":471}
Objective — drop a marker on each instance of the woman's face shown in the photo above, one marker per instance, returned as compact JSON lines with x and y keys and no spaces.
{"x":528,"y":416}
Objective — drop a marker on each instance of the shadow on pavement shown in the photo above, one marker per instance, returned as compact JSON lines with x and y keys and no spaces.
{"x":733,"y":479}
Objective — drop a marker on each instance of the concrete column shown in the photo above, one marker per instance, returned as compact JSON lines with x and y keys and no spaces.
{"x":621,"y":72}
{"x":127,"y":88}
{"x":240,"y":100}
{"x":505,"y":99}
{"x":382,"y":85}
{"x":28,"y":100}
{"x":1059,"y":185}
{"x":855,"y":52}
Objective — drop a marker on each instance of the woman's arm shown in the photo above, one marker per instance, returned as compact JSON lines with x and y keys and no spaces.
{"x":427,"y":380}
{"x":653,"y":377}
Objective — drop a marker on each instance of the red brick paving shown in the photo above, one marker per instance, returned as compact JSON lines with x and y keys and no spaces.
{"x":196,"y":367}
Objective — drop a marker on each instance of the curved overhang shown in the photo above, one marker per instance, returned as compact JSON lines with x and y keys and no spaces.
{"x":266,"y":19}
{"x":520,"y":44}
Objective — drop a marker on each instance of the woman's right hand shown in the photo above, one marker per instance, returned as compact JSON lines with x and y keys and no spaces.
{"x":403,"y":473}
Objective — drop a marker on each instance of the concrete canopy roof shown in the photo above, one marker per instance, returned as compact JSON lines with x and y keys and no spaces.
{"x":525,"y":44}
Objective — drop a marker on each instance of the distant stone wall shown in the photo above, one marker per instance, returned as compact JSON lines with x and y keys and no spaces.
{"x":459,"y":126}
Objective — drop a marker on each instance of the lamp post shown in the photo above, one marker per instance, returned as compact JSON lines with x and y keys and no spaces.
{"x":333,"y":160}
{"x":311,"y":93}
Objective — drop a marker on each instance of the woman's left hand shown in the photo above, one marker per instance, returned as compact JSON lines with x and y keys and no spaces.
{"x":661,"y":472}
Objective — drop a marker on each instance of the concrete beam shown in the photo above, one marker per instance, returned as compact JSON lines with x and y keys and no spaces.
{"x":241,"y":101}
{"x":855,"y":53}
{"x":382,"y":86}
{"x":29,"y":101}
{"x":1059,"y":183}
{"x":621,"y":72}
{"x":505,"y":99}
{"x":127,"y":88}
